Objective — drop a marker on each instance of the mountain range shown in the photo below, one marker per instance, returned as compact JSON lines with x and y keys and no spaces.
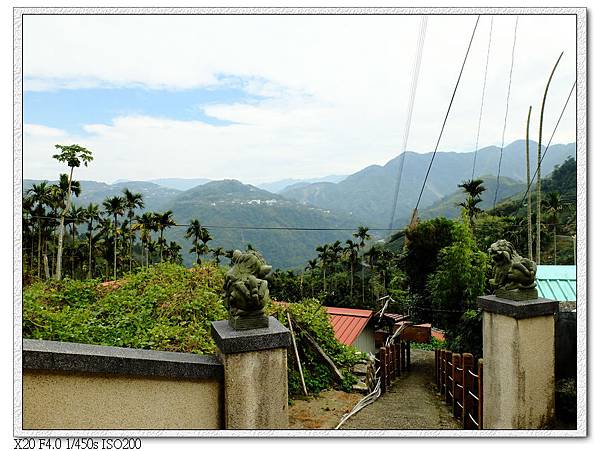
{"x":368,"y":195}
{"x":363,"y":198}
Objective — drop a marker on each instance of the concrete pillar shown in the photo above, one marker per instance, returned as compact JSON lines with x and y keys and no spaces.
{"x":518,"y":368}
{"x":255,"y":375}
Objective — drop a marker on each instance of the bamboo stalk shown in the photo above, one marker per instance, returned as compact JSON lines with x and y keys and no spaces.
{"x":297,"y":355}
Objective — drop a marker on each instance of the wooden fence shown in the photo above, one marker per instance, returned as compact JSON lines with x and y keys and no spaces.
{"x":460,"y":381}
{"x":394,"y":359}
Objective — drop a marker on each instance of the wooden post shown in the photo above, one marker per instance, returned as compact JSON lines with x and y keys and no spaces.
{"x":402,"y":356}
{"x":467,"y":365}
{"x":448,"y":376}
{"x":480,"y":393}
{"x":390,"y":371}
{"x":435,"y":371}
{"x":382,"y":369}
{"x":442,"y":370}
{"x":408,"y":355}
{"x":455,"y":384}
{"x":396,"y":359}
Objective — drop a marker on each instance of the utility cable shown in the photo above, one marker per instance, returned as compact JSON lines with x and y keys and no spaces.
{"x":487,"y":59}
{"x":411,"y":102}
{"x":512,"y":61}
{"x":446,"y":118}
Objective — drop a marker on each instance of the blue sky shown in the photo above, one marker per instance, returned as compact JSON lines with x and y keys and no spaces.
{"x":71,"y":109}
{"x":263,"y":98}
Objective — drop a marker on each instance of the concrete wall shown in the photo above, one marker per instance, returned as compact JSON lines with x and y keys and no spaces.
{"x":78,"y":386}
{"x":566,"y":345}
{"x":66,"y":400}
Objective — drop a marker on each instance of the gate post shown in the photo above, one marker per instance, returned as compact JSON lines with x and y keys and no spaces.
{"x":255,"y":375}
{"x":518,"y":348}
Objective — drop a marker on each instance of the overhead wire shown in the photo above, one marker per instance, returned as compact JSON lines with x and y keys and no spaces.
{"x":487,"y":59}
{"x":512,"y":61}
{"x":410,"y":105}
{"x":446,"y":118}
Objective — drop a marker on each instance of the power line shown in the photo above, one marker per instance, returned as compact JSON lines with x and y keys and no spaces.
{"x":512,"y":61}
{"x":411,"y":102}
{"x":242,"y":227}
{"x":446,"y":118}
{"x":487,"y":59}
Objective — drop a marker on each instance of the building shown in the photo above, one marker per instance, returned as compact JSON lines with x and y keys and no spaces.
{"x":353,"y":327}
{"x":557,"y":282}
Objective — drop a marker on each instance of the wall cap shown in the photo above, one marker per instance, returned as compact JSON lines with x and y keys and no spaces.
{"x":78,"y":357}
{"x":518,"y":309}
{"x":231,"y":341}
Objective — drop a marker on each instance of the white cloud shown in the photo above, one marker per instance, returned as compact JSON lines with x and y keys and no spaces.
{"x":337,"y":88}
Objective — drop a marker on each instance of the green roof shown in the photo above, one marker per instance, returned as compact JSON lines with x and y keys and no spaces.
{"x":558,"y":282}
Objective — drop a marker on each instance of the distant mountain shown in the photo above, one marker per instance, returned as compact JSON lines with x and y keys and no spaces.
{"x":155,"y":197}
{"x":229,"y":203}
{"x":175,"y":183}
{"x":448,"y":205}
{"x":368,"y":195}
{"x":280,"y":185}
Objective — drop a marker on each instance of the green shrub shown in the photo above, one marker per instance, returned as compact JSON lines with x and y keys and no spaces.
{"x":164,"y":307}
{"x":311,"y":317}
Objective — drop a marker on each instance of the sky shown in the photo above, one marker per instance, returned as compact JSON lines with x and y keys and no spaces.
{"x":263,"y":98}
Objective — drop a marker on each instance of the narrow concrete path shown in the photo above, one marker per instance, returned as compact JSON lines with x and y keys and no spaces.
{"x":410,"y":403}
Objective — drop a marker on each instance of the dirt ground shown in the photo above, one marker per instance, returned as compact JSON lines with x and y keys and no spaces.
{"x":410,"y":403}
{"x":322,"y":412}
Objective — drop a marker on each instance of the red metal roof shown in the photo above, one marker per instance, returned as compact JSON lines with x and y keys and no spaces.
{"x":348,"y":323}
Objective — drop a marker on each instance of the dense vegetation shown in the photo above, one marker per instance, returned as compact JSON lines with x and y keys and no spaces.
{"x":163,"y":307}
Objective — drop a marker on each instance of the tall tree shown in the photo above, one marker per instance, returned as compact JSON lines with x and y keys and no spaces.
{"x":163,"y":221}
{"x":115,"y":207}
{"x":311,"y":266}
{"x":73,"y":155}
{"x":92,"y":214}
{"x":363,"y":235}
{"x":218,"y":252}
{"x":473,"y":189}
{"x":76,"y":215}
{"x":324,"y":256}
{"x":198,"y":234}
{"x":351,"y":252}
{"x":133,"y":201}
{"x":40,"y":196}
{"x":145,"y":224}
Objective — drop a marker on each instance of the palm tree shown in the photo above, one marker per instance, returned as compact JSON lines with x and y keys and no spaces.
{"x":114,"y":206}
{"x":145,"y":224}
{"x":362,"y":233}
{"x":311,"y":266}
{"x":151,"y":250}
{"x":40,"y":196}
{"x":351,"y":253}
{"x":217,"y":253}
{"x":132,"y":202}
{"x":324,"y":256}
{"x":76,"y":216}
{"x":163,"y":221}
{"x":473,"y":189}
{"x":553,"y":206}
{"x":195,"y":231}
{"x":73,"y":155}
{"x":92,"y":214}
{"x":173,"y":252}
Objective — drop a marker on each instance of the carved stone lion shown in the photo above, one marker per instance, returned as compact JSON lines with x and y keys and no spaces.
{"x":246,"y":290}
{"x":513,"y":276}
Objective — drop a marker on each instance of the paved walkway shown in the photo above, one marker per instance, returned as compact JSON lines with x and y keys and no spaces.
{"x":410,"y":403}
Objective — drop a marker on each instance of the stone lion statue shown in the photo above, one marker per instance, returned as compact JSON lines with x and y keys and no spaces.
{"x":246,"y":290}
{"x":511,"y":271}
